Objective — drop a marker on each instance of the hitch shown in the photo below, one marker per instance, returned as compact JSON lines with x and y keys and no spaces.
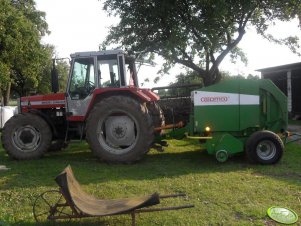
{"x":170,"y":126}
{"x":293,"y":137}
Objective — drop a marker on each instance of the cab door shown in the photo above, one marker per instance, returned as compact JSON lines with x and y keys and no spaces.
{"x":81,"y":84}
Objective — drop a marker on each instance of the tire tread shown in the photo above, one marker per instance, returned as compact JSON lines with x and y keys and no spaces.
{"x":109,"y":104}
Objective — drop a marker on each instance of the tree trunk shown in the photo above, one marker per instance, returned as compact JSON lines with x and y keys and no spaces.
{"x":6,"y":95}
{"x":207,"y":79}
{"x":1,"y":98}
{"x":210,"y":78}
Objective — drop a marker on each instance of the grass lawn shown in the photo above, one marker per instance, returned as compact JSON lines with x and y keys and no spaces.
{"x":231,"y":193}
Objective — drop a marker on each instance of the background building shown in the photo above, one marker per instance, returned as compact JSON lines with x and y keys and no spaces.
{"x":288,"y":79}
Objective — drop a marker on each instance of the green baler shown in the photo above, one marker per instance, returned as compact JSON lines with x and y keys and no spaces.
{"x":236,"y":116}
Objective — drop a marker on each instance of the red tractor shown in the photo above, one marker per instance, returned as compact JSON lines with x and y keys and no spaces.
{"x":102,"y":103}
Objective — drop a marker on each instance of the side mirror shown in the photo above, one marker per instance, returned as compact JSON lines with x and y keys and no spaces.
{"x":54,"y":78}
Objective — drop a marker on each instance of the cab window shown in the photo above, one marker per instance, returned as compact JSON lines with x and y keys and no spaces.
{"x":108,"y":73}
{"x":82,"y":79}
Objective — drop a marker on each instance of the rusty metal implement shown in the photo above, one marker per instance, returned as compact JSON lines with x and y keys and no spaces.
{"x":70,"y":201}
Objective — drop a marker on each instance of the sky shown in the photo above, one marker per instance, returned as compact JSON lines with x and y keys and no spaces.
{"x":78,"y":25}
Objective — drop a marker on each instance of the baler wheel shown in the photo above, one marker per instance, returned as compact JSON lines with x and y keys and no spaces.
{"x":221,"y":155}
{"x":264,"y":147}
{"x":119,"y":130}
{"x":26,"y":136}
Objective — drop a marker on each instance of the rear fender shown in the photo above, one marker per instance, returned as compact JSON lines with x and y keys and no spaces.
{"x":140,"y":95}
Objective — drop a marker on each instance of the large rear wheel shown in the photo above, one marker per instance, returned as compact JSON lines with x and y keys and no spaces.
{"x":119,"y":129}
{"x":157,"y":116}
{"x":26,"y":136}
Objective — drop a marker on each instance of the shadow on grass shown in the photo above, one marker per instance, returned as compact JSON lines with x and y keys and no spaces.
{"x":82,"y":222}
{"x":91,"y":221}
{"x":88,"y":169}
{"x":170,"y":164}
{"x":71,"y":223}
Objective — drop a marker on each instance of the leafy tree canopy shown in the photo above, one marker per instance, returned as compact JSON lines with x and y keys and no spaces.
{"x":24,"y":87}
{"x":21,"y":54}
{"x":196,"y":33}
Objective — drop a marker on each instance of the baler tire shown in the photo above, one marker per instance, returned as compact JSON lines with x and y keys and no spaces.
{"x":157,"y":116}
{"x":96,"y":133}
{"x":15,"y":130}
{"x":272,"y":144}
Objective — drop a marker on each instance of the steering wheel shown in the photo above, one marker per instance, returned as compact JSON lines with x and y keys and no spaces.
{"x":90,"y":86}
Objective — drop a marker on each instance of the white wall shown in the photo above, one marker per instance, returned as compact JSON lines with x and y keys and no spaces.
{"x":6,"y":113}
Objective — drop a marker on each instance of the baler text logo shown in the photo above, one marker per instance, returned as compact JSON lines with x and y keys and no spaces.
{"x":215,"y":99}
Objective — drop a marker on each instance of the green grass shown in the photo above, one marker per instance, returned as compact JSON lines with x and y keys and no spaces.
{"x":13,"y":103}
{"x":232,"y":193}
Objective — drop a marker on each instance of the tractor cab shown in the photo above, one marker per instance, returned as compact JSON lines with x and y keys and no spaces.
{"x":97,"y":72}
{"x":101,"y":69}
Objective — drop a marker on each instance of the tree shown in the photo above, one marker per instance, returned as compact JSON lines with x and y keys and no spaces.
{"x":63,"y":69}
{"x":21,"y":53}
{"x":253,"y":77}
{"x":184,"y":80}
{"x":198,"y":34}
{"x":44,"y":79}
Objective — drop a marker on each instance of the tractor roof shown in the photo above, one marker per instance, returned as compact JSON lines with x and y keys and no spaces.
{"x":96,"y":53}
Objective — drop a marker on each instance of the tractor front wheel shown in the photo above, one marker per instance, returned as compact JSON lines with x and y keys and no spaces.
{"x":264,"y":147}
{"x":26,"y":136}
{"x":119,"y":130}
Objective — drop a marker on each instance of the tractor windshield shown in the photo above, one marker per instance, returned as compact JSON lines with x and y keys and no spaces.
{"x":82,"y":79}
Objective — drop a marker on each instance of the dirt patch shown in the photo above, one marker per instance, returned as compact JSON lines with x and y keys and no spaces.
{"x":294,"y":128}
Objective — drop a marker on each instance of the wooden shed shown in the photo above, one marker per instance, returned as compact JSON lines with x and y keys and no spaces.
{"x":288,"y":79}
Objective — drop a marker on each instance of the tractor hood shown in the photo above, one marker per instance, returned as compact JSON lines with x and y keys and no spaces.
{"x":58,"y":100}
{"x":53,"y":100}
